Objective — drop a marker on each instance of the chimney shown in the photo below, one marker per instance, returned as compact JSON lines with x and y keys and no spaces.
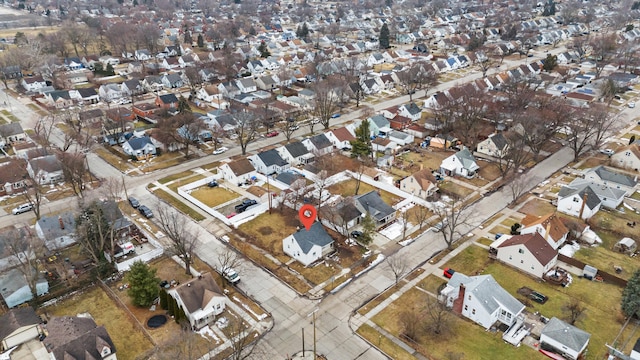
{"x":61,"y":222}
{"x":421,"y":167}
{"x":548,"y":230}
{"x":584,"y":203}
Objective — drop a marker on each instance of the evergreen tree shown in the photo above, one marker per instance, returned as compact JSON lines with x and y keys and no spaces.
{"x":631,"y":296}
{"x":200,"y":41}
{"x":550,"y":62}
{"x":252,"y":31}
{"x":264,"y":50}
{"x":361,"y":146}
{"x":302,"y":32}
{"x":164,"y":302}
{"x":384,"y":37}
{"x":183,"y":105}
{"x":143,"y":284}
{"x":368,"y":229}
{"x":187,"y":37}
{"x":135,"y":2}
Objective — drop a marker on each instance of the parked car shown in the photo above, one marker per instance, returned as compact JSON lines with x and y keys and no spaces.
{"x":272,"y":134}
{"x":22,"y":209}
{"x":607,"y":152}
{"x":219,"y":150}
{"x":145,"y":211}
{"x":632,"y":105}
{"x":448,"y":273}
{"x":246,"y":203}
{"x":230,"y":275}
{"x":294,"y":127}
{"x":356,"y":234}
{"x":335,"y":116}
{"x":212,"y":183}
{"x":134,"y":202}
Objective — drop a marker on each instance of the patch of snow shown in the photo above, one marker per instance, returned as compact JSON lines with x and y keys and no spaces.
{"x":569,"y":249}
{"x":246,"y":307}
{"x":207,"y":332}
{"x":406,"y":242}
{"x":394,"y":230}
{"x":591,"y":237}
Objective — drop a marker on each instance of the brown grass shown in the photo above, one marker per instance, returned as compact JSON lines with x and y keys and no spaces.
{"x":267,"y":230}
{"x":214,"y":196}
{"x":348,"y":188}
{"x":451,"y":188}
{"x":383,"y":343}
{"x":537,"y":207}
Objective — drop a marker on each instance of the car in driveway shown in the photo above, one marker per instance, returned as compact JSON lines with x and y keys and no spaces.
{"x":22,"y":209}
{"x":356,"y":234}
{"x":220,"y":150}
{"x":246,"y":203}
{"x":272,"y":134}
{"x":607,"y":152}
{"x":134,"y":202}
{"x":145,"y":211}
{"x":448,"y":273}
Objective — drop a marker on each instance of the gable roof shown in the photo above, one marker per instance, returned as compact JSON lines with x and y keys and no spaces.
{"x":288,"y":178}
{"x":241,"y":166}
{"x":17,"y":318}
{"x":271,"y":157}
{"x":51,"y":228}
{"x":316,"y":235}
{"x":198,"y":292}
{"x":536,"y":245}
{"x":374,"y":205}
{"x":489,"y":293}
{"x":499,"y":141}
{"x":11,"y":129}
{"x":320,"y":141}
{"x":566,"y":334}
{"x":296,"y":149}
{"x":168,"y":98}
{"x":138,"y":143}
{"x":77,"y":338}
{"x":424,"y":178}
{"x":557,"y":229}
{"x":48,"y":164}
{"x":466,"y":158}
{"x":612,"y":176}
{"x":343,"y":134}
{"x":412,"y":108}
{"x":592,"y":198}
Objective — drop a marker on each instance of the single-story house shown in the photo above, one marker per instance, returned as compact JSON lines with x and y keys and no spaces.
{"x":269,"y":162}
{"x":45,"y":170}
{"x":495,"y":145}
{"x":612,"y":179}
{"x":318,"y":144}
{"x":529,"y":253}
{"x":167,"y":101}
{"x":564,"y":339}
{"x":341,"y":137}
{"x":18,"y":326}
{"x":461,"y":163}
{"x":15,"y":290}
{"x":238,"y":171}
{"x":308,"y":246}
{"x":57,"y":232}
{"x":78,"y":337}
{"x":11,"y":132}
{"x":421,"y":184}
{"x":371,"y":203}
{"x":296,"y":153}
{"x":341,"y":215}
{"x":201,"y":299}
{"x":140,"y":147}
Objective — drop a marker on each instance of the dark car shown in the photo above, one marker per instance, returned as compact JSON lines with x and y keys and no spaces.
{"x":213,"y":183}
{"x":246,"y":203}
{"x":145,"y":211}
{"x":356,"y":234}
{"x":134,"y":202}
{"x":448,"y":273}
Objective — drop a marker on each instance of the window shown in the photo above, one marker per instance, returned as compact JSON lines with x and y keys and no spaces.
{"x":473,"y":311}
{"x":576,"y":199}
{"x":510,"y":257}
{"x":466,"y":307}
{"x":521,"y":261}
{"x":469,"y":297}
{"x":533,"y":267}
{"x":521,"y":251}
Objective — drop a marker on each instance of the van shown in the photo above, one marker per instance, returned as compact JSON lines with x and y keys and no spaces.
{"x":22,"y":209}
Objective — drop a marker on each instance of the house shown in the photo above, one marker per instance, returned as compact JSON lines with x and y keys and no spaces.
{"x":18,"y":326}
{"x":399,"y":137}
{"x":45,"y":170}
{"x":167,"y":101}
{"x":10,"y":133}
{"x":132,"y":87}
{"x":33,"y":84}
{"x":110,"y":92}
{"x":140,"y":147}
{"x":308,"y":246}
{"x":73,"y":63}
{"x":59,"y":99}
{"x":481,"y":299}
{"x":341,"y":215}
{"x":340,"y":138}
{"x":376,"y":123}
{"x":238,"y":172}
{"x":58,"y":231}
{"x":627,"y":157}
{"x":296,"y":153}
{"x":269,"y":162}
{"x":246,"y":85}
{"x":421,"y":184}
{"x":550,"y":227}
{"x":564,"y":339}
{"x":15,"y":290}
{"x":12,"y":176}
{"x":172,"y":81}
{"x":78,"y":338}
{"x":201,"y":299}
{"x":529,"y":253}
{"x":462,"y":163}
{"x":211,"y":94}
{"x":581,"y":201}
{"x":222,"y":120}
{"x":495,"y":146}
{"x":152,"y":83}
{"x":318,"y":144}
{"x":373,"y":204}
{"x":411,"y":111}
{"x":143,"y":55}
{"x":604,"y":176}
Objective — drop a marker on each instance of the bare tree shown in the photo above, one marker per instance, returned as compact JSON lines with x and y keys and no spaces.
{"x":419,"y":75}
{"x":195,"y":80}
{"x":25,"y":250}
{"x":515,"y":154}
{"x":42,"y":131}
{"x":325,"y":102}
{"x":34,"y":193}
{"x":580,"y":132}
{"x":227,"y":259}
{"x":182,"y":241}
{"x":420,"y":215}
{"x":411,"y":323}
{"x":74,"y":170}
{"x":112,"y":188}
{"x":438,"y":317}
{"x":96,"y":230}
{"x":242,"y":343}
{"x":603,"y":49}
{"x":289,"y":126}
{"x":183,"y":128}
{"x":603,"y":121}
{"x":574,"y":311}
{"x":398,"y":266}
{"x":246,"y":128}
{"x":451,"y":217}
{"x":518,"y":185}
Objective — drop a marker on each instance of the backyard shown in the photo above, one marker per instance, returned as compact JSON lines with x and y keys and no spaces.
{"x":214,"y":196}
{"x":348,"y":188}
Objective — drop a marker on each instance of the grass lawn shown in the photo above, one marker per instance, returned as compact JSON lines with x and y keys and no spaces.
{"x":176,"y":176}
{"x":128,"y":339}
{"x":431,"y":283}
{"x":489,"y":171}
{"x":462,"y":336}
{"x":268,"y":230}
{"x":602,"y":257}
{"x":616,"y":223}
{"x":214,"y":196}
{"x":537,"y":207}
{"x":492,"y":219}
{"x":383,"y":343}
{"x":182,"y":207}
{"x":348,"y":187}
{"x":184,"y":181}
{"x":593,"y":162}
{"x":166,"y":160}
{"x":210,"y":166}
{"x":113,"y":160}
{"x":37,"y":109}
{"x":499,"y":229}
{"x":449,"y":187}
{"x":469,"y":261}
{"x":485,"y":241}
{"x":317,"y":274}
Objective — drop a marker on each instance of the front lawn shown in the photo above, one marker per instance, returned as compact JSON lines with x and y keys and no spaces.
{"x":451,"y":188}
{"x":348,"y":188}
{"x":179,"y":205}
{"x":267,"y":230}
{"x":469,"y":261}
{"x":214,"y":196}
{"x":537,"y":207}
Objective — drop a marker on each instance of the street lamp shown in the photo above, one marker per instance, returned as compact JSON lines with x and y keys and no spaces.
{"x":313,"y":313}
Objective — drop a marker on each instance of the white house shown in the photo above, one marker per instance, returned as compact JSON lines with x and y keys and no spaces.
{"x":581,"y":202}
{"x":33,"y":84}
{"x":19,"y":325}
{"x":269,"y":162}
{"x":627,"y":157}
{"x":411,"y":111}
{"x":341,"y":215}
{"x":139,"y":147}
{"x":57,"y":232}
{"x":373,"y":204}
{"x":421,"y":184}
{"x":296,"y":153}
{"x":308,"y":246}
{"x":495,"y":145}
{"x":11,"y":132}
{"x":550,"y":227}
{"x":481,"y":299}
{"x":461,"y":163}
{"x":110,"y":92}
{"x":143,"y":55}
{"x":340,"y":138}
{"x":318,"y":144}
{"x":211,"y":94}
{"x":45,"y":169}
{"x":201,"y":300}
{"x":238,"y":171}
{"x":246,"y":85}
{"x":399,"y":137}
{"x":529,"y":253}
{"x":561,"y":338}
{"x":602,"y":175}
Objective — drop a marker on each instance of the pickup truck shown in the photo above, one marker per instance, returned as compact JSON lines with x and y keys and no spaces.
{"x":245,"y":205}
{"x":230,"y":275}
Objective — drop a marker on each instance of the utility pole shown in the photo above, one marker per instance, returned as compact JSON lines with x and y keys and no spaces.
{"x":313,"y":313}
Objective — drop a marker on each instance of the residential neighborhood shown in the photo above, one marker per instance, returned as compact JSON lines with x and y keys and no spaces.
{"x":327,"y":180}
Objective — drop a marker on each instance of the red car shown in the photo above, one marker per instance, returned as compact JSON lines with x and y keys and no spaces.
{"x":448,"y":273}
{"x":272,"y":134}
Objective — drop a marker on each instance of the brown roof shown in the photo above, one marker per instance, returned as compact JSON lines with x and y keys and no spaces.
{"x":536,"y":244}
{"x":198,"y":292}
{"x":77,"y":338}
{"x":343,"y":134}
{"x":381,"y":141}
{"x":17,"y":318}
{"x":424,"y":178}
{"x":556,"y":227}
{"x":13,"y":171}
{"x":241,"y":166}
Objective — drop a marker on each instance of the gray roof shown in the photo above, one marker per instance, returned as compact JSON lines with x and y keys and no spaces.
{"x":612,"y":176}
{"x":196,"y":293}
{"x":379,"y":121}
{"x":138,"y":143}
{"x":77,"y":338}
{"x":296,"y":149}
{"x":169,"y":98}
{"x":466,"y":158}
{"x":316,"y":235}
{"x":592,"y":198}
{"x":17,"y":318}
{"x":50,"y":225}
{"x":499,"y":141}
{"x":320,"y":141}
{"x":173,"y":78}
{"x":87,"y":92}
{"x":15,"y":290}
{"x":566,"y":334}
{"x":490,"y":294}
{"x":271,"y":157}
{"x":287,"y":177}
{"x":374,"y":205}
{"x":603,"y":191}
{"x":11,"y":129}
{"x":48,"y":164}
{"x":412,"y":108}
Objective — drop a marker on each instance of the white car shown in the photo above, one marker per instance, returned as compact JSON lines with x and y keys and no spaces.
{"x":220,"y":150}
{"x":230,"y":275}
{"x":607,"y":152}
{"x":632,"y":105}
{"x":22,"y":209}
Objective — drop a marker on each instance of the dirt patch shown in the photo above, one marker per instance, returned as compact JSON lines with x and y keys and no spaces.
{"x":265,"y":230}
{"x":537,"y":207}
{"x":257,"y":191}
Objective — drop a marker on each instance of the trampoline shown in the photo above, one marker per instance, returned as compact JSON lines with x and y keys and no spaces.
{"x":156,"y":321}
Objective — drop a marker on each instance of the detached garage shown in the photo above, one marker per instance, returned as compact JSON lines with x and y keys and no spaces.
{"x":17,"y":327}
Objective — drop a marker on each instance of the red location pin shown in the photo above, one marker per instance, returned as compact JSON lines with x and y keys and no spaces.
{"x":307,"y":215}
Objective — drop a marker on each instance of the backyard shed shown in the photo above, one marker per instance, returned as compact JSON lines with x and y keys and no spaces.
{"x":626,"y":245}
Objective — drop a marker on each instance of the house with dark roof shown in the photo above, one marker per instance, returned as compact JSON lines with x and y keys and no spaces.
{"x":78,"y":338}
{"x":462,"y":163}
{"x":238,"y":172}
{"x":10,"y":133}
{"x":85,"y":95}
{"x":318,"y":144}
{"x":581,"y":201}
{"x":46,"y":169}
{"x":19,"y":326}
{"x":296,"y":153}
{"x":12,"y":176}
{"x":33,"y":84}
{"x":550,"y":227}
{"x":140,"y":147}
{"x":411,"y":111}
{"x":564,"y":339}
{"x":308,"y":246}
{"x":291,"y":179}
{"x":421,"y":184}
{"x":607,"y":177}
{"x":201,"y":299}
{"x":167,"y":101}
{"x":172,"y":81}
{"x":495,"y":146}
{"x":269,"y":162}
{"x":15,"y":290}
{"x":371,"y":203}
{"x":529,"y":253}
{"x":341,"y":215}
{"x":58,"y":231}
{"x":132,"y":87}
{"x":59,"y":99}
{"x":481,"y":299}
